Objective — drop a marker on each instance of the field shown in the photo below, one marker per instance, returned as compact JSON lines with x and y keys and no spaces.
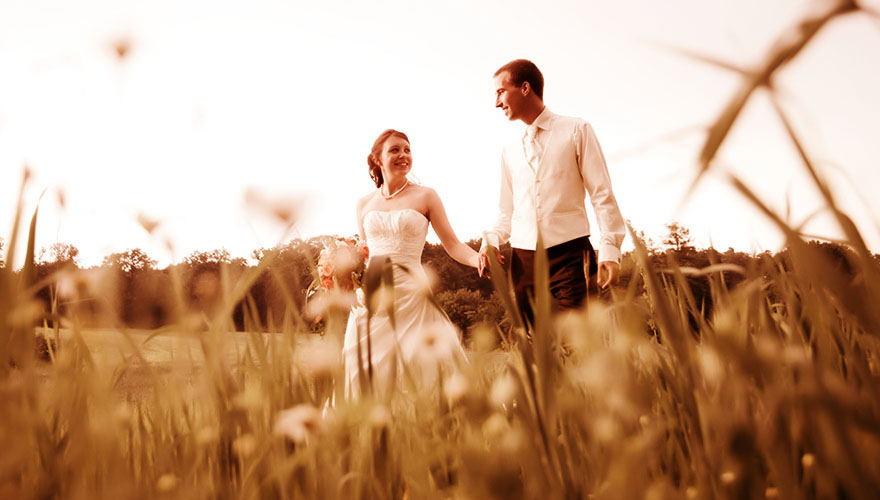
{"x":773,"y":393}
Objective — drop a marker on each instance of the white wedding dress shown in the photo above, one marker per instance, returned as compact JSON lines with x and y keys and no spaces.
{"x":422,"y":342}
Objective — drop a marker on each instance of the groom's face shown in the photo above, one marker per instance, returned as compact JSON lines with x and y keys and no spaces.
{"x":508,"y":96}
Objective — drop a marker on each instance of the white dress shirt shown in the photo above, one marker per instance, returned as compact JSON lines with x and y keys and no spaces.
{"x":545,"y":190}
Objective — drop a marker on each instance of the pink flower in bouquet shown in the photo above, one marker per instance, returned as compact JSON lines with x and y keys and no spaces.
{"x":342,"y":263}
{"x":363,"y":250}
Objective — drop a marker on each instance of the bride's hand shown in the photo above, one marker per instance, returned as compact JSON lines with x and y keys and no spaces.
{"x":483,"y":264}
{"x":476,"y":262}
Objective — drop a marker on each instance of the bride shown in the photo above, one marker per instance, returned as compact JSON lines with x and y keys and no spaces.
{"x":393,"y":220}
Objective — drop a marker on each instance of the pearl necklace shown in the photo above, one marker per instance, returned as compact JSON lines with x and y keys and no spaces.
{"x":392,"y":195}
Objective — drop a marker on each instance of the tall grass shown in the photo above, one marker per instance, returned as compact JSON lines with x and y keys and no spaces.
{"x":773,"y":395}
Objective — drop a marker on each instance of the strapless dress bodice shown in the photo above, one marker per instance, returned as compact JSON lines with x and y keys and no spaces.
{"x":399,"y":234}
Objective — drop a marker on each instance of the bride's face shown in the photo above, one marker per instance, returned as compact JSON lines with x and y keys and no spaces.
{"x":396,"y":157}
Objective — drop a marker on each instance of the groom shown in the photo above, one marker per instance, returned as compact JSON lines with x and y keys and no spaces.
{"x":545,"y":176}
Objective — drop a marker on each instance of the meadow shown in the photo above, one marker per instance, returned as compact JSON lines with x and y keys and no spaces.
{"x":772,"y":395}
{"x":643,"y":394}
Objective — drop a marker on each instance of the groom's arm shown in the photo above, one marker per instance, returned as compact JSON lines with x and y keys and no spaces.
{"x":499,"y":233}
{"x":597,"y":182}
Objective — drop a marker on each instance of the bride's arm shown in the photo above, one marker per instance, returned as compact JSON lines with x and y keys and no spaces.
{"x":360,"y":217}
{"x":455,"y":248}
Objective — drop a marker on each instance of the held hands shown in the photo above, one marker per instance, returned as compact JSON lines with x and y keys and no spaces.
{"x":612,"y":269}
{"x":483,"y":264}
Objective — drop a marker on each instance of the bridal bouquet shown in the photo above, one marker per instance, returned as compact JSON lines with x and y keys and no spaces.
{"x":341,"y":264}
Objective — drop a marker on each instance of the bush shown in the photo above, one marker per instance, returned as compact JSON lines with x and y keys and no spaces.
{"x":468,"y":308}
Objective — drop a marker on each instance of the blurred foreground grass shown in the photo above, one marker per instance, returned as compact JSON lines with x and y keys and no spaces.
{"x":774,"y":394}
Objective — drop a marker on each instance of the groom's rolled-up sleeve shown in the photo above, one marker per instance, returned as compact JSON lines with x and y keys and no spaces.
{"x":500,"y":232}
{"x":597,"y":182}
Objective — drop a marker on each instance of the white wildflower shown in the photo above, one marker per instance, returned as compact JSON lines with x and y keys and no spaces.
{"x":433,"y":346}
{"x":503,"y":390}
{"x":710,"y":364}
{"x":297,"y":423}
{"x":456,"y":387}
{"x":323,"y":303}
{"x":319,"y":358}
{"x":379,"y":417}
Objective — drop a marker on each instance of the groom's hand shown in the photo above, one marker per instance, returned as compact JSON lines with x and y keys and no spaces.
{"x":483,"y":268}
{"x":613,"y":271}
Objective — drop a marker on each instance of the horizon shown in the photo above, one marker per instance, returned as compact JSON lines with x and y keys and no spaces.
{"x":652,"y":244}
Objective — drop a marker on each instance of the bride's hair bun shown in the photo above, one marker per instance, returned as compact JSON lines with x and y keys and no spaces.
{"x":376,"y":152}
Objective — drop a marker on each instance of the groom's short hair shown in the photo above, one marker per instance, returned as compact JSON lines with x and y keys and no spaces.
{"x":523,"y":70}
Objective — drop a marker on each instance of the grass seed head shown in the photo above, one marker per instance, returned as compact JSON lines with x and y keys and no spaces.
{"x":123,"y":414}
{"x":207,"y":436}
{"x":607,"y":429}
{"x":251,"y":398}
{"x":484,"y":339}
{"x":728,"y":477}
{"x":244,"y":445}
{"x":149,"y":224}
{"x":495,"y":426}
{"x":166,"y":483}
{"x":808,"y":460}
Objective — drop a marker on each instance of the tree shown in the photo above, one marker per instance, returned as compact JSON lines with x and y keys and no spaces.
{"x":466,"y":308}
{"x":130,"y":261}
{"x":58,"y":258}
{"x":59,"y":253}
{"x":287,"y":272}
{"x":204,"y":276}
{"x":217,"y":256}
{"x":142,"y":294}
{"x":453,"y":276}
{"x":678,"y":237}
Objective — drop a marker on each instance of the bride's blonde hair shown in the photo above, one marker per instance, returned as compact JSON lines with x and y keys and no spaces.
{"x":373,"y":157}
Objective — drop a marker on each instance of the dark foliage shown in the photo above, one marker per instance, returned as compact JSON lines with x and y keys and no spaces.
{"x":128,"y":290}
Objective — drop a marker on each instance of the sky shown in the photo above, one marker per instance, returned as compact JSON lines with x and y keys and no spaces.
{"x":218,"y":104}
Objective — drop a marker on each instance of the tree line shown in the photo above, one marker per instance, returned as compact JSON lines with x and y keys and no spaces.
{"x":128,"y":289}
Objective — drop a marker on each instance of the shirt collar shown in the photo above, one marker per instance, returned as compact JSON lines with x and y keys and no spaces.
{"x":542,"y":121}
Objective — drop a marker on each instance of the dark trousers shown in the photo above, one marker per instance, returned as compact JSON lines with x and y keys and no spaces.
{"x":570,"y":264}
